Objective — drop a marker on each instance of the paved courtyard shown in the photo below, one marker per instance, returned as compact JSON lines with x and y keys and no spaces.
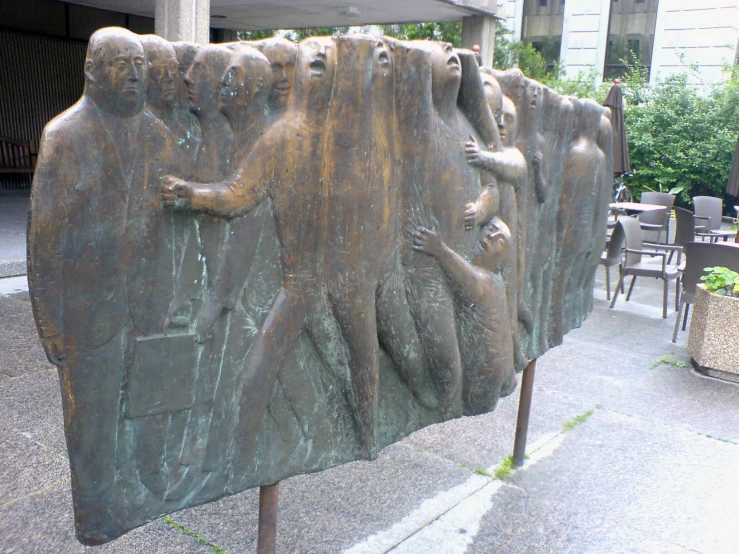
{"x":629,"y":451}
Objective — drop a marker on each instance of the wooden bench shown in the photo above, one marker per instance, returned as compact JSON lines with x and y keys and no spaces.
{"x":17,"y":156}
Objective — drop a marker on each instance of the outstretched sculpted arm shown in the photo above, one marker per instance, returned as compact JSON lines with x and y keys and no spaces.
{"x":467,"y":281}
{"x":231,"y":198}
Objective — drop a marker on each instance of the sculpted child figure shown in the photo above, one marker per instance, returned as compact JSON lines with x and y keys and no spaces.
{"x":510,"y":168}
{"x":484,"y":327}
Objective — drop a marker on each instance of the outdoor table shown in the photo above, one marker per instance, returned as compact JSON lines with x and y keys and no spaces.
{"x":632,"y":208}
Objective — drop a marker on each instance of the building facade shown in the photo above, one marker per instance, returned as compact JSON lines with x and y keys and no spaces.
{"x":665,"y":36}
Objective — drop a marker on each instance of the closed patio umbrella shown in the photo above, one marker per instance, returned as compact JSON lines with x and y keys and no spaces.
{"x":615,"y":101}
{"x":732,"y":188}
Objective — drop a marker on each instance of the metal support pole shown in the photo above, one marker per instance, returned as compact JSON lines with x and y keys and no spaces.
{"x":524,"y":410}
{"x":267,"y":534}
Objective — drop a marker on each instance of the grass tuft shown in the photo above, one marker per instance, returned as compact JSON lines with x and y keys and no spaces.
{"x":505,"y":468}
{"x":202,"y":540}
{"x":667,"y":359}
{"x":582,"y":418}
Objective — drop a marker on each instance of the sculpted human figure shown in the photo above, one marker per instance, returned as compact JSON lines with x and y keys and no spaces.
{"x":584,"y":175}
{"x":243,"y":98}
{"x":203,"y":81}
{"x":510,"y":168}
{"x":282,"y":165}
{"x":433,"y":180}
{"x":556,"y":127}
{"x":479,"y":290}
{"x":95,"y":159}
{"x":163,"y":98}
{"x":281,"y":54}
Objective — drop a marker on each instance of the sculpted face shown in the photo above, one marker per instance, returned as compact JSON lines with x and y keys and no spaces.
{"x":185,"y":52}
{"x":162,"y":69}
{"x":315,"y":71}
{"x":493,"y":94}
{"x":382,"y":61}
{"x":533,"y":95}
{"x":115,"y":72}
{"x":507,"y":122}
{"x":203,"y":79}
{"x":446,"y":69}
{"x":242,"y":82}
{"x":494,"y":247}
{"x":281,"y":55}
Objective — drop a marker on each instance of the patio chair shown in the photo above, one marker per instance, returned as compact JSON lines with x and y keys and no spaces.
{"x":657,"y":220}
{"x":710,"y":209}
{"x":699,"y":256}
{"x":633,"y":265}
{"x":684,"y":231}
{"x":612,"y":256}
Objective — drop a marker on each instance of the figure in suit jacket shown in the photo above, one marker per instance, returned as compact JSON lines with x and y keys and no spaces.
{"x":94,"y":161}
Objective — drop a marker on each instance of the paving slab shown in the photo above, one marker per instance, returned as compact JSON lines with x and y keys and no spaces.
{"x":13,"y":221}
{"x":333,"y":510}
{"x":33,"y":467}
{"x":32,"y":404}
{"x":44,"y":524}
{"x":619,"y":483}
{"x":21,"y":352}
{"x":640,"y":475}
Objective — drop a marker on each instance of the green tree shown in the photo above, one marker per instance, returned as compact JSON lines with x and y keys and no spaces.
{"x":255,"y":35}
{"x":681,"y":136}
{"x":447,"y":32}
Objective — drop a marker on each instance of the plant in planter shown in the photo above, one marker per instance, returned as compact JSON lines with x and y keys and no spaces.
{"x":714,"y":330}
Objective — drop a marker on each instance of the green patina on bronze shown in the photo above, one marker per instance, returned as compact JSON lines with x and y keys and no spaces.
{"x":255,"y":260}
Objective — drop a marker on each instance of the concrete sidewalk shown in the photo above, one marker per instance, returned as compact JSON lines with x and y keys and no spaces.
{"x":13,"y":219}
{"x":649,"y":462}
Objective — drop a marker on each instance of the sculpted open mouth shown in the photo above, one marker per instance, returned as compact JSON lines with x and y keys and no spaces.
{"x":453,"y":62}
{"x":282,"y":88}
{"x":483,"y":244}
{"x":317,"y":68}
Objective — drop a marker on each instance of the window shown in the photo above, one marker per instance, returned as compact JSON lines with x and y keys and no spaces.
{"x":542,"y":2}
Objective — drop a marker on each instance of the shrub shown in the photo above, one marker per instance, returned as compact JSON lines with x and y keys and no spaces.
{"x":722,"y":280}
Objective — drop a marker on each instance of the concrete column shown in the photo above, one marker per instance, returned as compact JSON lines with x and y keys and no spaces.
{"x":480,"y":29}
{"x":183,"y":20}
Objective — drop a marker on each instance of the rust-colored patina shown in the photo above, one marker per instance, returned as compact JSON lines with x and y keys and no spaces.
{"x":254,"y":260}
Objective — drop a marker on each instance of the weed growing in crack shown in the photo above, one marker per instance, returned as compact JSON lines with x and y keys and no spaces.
{"x":505,"y":468}
{"x":577,"y":420}
{"x":202,"y":540}
{"x":669,"y":360}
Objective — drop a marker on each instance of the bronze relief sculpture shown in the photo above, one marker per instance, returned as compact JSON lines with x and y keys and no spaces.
{"x":254,"y":260}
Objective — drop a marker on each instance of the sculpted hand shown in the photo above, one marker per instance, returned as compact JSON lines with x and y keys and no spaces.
{"x":54,"y":348}
{"x":474,"y":154}
{"x":471,"y":215}
{"x":536,"y":161}
{"x":176,"y":193}
{"x":177,"y":315}
{"x":427,"y":241}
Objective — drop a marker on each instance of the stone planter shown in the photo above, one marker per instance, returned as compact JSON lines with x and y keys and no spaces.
{"x":713,"y":341}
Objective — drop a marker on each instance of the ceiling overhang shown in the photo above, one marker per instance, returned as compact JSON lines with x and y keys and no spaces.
{"x":252,"y":15}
